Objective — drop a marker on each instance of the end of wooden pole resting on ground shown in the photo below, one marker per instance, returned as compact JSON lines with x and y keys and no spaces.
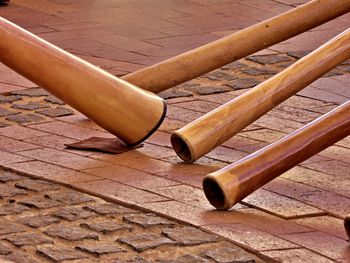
{"x":123,"y":109}
{"x":347,"y":225}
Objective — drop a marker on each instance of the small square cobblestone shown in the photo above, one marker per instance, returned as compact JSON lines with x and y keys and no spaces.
{"x":40,"y":203}
{"x":71,"y":233}
{"x":146,"y":220}
{"x":39,"y":221}
{"x":188,"y":236}
{"x":106,"y":227}
{"x":69,"y":197}
{"x":145,"y":241}
{"x":107,"y":208}
{"x":60,"y":254}
{"x":21,"y":239}
{"x":12,"y":208}
{"x":73,"y":213}
{"x":99,"y":249}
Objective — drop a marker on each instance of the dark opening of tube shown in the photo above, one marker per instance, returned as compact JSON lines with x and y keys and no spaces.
{"x":181,"y":148}
{"x":214,"y":193}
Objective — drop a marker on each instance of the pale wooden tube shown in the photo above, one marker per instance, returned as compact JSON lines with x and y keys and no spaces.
{"x":204,"y":134}
{"x":231,"y":184}
{"x":121,"y":108}
{"x":204,"y":59}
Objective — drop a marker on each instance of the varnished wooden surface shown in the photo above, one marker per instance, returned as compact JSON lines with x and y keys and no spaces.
{"x":204,"y":134}
{"x":231,"y":184}
{"x":214,"y":55}
{"x":121,"y":108}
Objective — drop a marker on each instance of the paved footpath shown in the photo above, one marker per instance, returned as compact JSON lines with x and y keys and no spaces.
{"x":295,"y":218}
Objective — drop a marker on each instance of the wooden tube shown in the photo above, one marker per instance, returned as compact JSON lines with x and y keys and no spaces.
{"x":347,"y":225}
{"x":216,"y":54}
{"x":204,"y":134}
{"x":231,"y":184}
{"x":121,"y":108}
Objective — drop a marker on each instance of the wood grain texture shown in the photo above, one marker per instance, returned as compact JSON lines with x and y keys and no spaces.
{"x":204,"y":59}
{"x":234,"y":182}
{"x":121,"y":108}
{"x":204,"y":134}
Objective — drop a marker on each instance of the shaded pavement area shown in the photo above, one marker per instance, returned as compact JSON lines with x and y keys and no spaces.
{"x":295,"y":218}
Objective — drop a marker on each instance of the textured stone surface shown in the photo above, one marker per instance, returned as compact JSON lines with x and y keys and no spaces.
{"x":24,"y":118}
{"x":70,"y":233}
{"x":4,"y":249}
{"x":56,"y":112}
{"x":219,"y":75}
{"x":18,"y":258}
{"x":73,"y":213}
{"x":146,"y":220}
{"x":145,"y":241}
{"x":69,"y":197}
{"x":101,"y":248}
{"x":206,"y":90}
{"x":39,"y":221}
{"x":36,"y":185}
{"x":31,"y":92}
{"x":186,"y":259}
{"x":7,"y":227}
{"x":189,"y":235}
{"x":170,"y":94}
{"x":8,"y":191}
{"x":21,"y":239}
{"x":269,"y":59}
{"x":29,"y":106}
{"x":54,"y":100}
{"x":259,"y":71}
{"x":13,"y":208}
{"x":58,"y":255}
{"x":242,"y":83}
{"x":234,"y":66}
{"x":40,"y":202}
{"x":5,"y":112}
{"x":108,"y":208}
{"x":7,"y":99}
{"x":229,"y":255}
{"x":106,"y":227}
{"x":7,"y":176}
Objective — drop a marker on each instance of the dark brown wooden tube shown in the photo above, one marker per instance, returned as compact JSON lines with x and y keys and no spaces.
{"x":204,"y":59}
{"x":347,"y":225}
{"x":204,"y":134}
{"x":123,"y":109}
{"x":231,"y":184}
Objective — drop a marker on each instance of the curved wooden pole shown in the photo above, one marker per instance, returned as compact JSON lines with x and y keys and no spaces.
{"x":214,"y":55}
{"x":231,"y":184}
{"x":121,"y":108}
{"x":204,"y":134}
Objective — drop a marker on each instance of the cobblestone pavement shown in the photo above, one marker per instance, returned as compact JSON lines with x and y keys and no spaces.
{"x":46,"y":222}
{"x":295,"y":218}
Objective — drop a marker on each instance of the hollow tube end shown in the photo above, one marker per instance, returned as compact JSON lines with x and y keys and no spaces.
{"x":215,"y":193}
{"x":182,"y":148}
{"x":347,"y":225}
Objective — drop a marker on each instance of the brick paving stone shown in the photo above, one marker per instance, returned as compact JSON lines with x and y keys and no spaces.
{"x":12,"y":208}
{"x":106,"y":227}
{"x":296,"y":256}
{"x":30,"y":92}
{"x":56,"y":112}
{"x":145,"y":241}
{"x":189,"y":236}
{"x":36,"y":185}
{"x":186,"y":259}
{"x":60,"y":254}
{"x":269,"y":59}
{"x":40,"y":203}
{"x":29,"y":106}
{"x":24,"y":118}
{"x":9,"y":191}
{"x":38,"y":221}
{"x":100,"y":249}
{"x":5,"y":112}
{"x":7,"y":227}
{"x":12,"y":145}
{"x":22,"y":239}
{"x":229,"y":255}
{"x":54,"y":100}
{"x":108,"y":208}
{"x":73,"y":213}
{"x":9,"y":99}
{"x":18,"y":258}
{"x":253,"y":71}
{"x":69,"y":197}
{"x":242,"y":83}
{"x":146,"y":220}
{"x":5,"y":249}
{"x":71,"y":233}
{"x":20,"y":132}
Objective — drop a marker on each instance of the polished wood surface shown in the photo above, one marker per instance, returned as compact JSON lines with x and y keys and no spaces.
{"x":204,"y":134}
{"x":231,"y":184}
{"x":204,"y":59}
{"x":123,"y":109}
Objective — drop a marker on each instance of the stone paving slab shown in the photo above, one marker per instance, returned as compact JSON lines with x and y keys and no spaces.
{"x":294,"y":217}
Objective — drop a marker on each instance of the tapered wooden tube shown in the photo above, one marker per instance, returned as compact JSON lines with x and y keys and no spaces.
{"x":231,"y":184}
{"x":204,"y":134}
{"x":121,"y":108}
{"x":347,"y":225}
{"x":216,"y":54}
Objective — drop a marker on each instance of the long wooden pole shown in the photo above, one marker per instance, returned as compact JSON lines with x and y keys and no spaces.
{"x":231,"y":184}
{"x":204,"y":59}
{"x":204,"y":134}
{"x":121,"y":108}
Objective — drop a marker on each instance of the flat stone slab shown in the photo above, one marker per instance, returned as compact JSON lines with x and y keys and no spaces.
{"x":73,"y":213}
{"x":106,"y":227}
{"x":21,"y":239}
{"x":24,"y":118}
{"x":69,"y":197}
{"x":12,"y":208}
{"x":56,"y":112}
{"x":9,"y":99}
{"x":58,"y":255}
{"x":108,"y":208}
{"x":39,"y":221}
{"x":188,"y":236}
{"x":31,"y":92}
{"x":146,"y":220}
{"x":29,"y":106}
{"x":145,"y":241}
{"x":40,"y":202}
{"x":7,"y":176}
{"x":70,"y":233}
{"x":229,"y":255}
{"x":101,"y":248}
{"x":36,"y":185}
